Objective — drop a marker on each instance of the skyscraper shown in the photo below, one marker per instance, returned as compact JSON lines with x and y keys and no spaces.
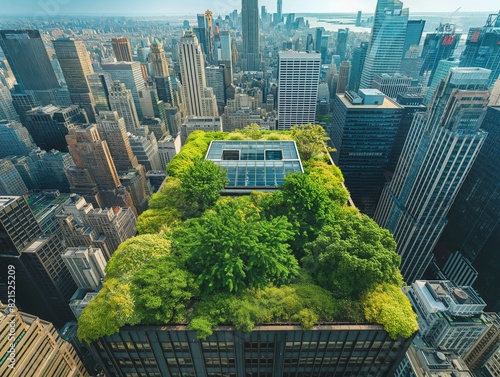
{"x":414,"y":30}
{"x":44,"y":284}
{"x":358,"y":61}
{"x":482,"y":47}
{"x":100,"y":85}
{"x":200,"y":100}
{"x":122,"y":49}
{"x":11,"y":182}
{"x":14,"y":139}
{"x":129,"y":73}
{"x":75,"y":63}
{"x":473,"y":225}
{"x":7,"y":109}
{"x":343,"y":77}
{"x":121,"y":101}
{"x":250,"y":56}
{"x":216,"y":81}
{"x":341,"y":44}
{"x":86,"y":265}
{"x":442,"y":71}
{"x":158,"y":60}
{"x":28,"y":59}
{"x":49,"y":125}
{"x":112,"y":129}
{"x":363,"y":131}
{"x":298,"y":79}
{"x":438,"y":154}
{"x":438,"y":46}
{"x":39,"y":350}
{"x":386,"y":42}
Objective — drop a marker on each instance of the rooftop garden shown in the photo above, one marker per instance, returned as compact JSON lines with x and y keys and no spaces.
{"x":300,"y":254}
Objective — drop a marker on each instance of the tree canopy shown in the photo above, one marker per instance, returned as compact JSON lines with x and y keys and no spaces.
{"x":231,"y":248}
{"x":310,"y":141}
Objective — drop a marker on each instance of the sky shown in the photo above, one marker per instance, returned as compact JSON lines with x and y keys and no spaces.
{"x":172,"y":7}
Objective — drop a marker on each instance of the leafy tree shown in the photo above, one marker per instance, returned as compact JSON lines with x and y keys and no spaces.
{"x":162,"y":291}
{"x":351,"y":255}
{"x":231,"y":248}
{"x":252,"y":131}
{"x":388,"y":306}
{"x":201,"y":184}
{"x":330,"y":177}
{"x":135,"y":252}
{"x":310,"y":140}
{"x":306,"y":204}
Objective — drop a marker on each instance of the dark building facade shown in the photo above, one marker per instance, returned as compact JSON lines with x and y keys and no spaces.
{"x":43,"y":282}
{"x":27,"y":56}
{"x":482,"y":47}
{"x":438,"y":46}
{"x":363,"y":132}
{"x":414,"y":30}
{"x":357,"y":63}
{"x":473,"y":220}
{"x":269,"y":350}
{"x":49,"y":125}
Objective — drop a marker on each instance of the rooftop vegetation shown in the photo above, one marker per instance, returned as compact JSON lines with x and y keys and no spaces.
{"x":299,"y":254}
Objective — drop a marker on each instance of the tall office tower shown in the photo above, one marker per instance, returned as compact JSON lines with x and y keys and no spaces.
{"x":165,"y":90}
{"x":441,"y":147}
{"x":225,"y":45}
{"x":442,"y":71}
{"x":386,"y":42}
{"x":458,"y":269}
{"x":95,"y":176}
{"x":363,"y":131}
{"x":121,"y":101}
{"x":86,"y":265}
{"x":412,"y":104}
{"x":449,"y":316}
{"x":11,"y":182}
{"x":298,"y":79}
{"x":122,"y":49}
{"x":28,"y":59}
{"x":357,"y":63}
{"x":250,"y":55}
{"x":44,"y":284}
{"x":174,"y":120}
{"x":487,"y":344}
{"x":279,"y":10}
{"x":158,"y":60}
{"x":14,"y":139}
{"x":130,"y":74}
{"x":414,"y":30}
{"x":49,"y":125}
{"x":7,"y":109}
{"x":145,"y":148}
{"x":343,"y":78}
{"x":438,"y":46}
{"x":317,"y":38}
{"x":112,"y":129}
{"x":216,"y":81}
{"x":473,"y":225}
{"x":100,"y":85}
{"x":51,"y":168}
{"x":168,"y":147}
{"x":341,"y":44}
{"x":482,"y":47}
{"x":117,"y":224}
{"x":75,"y":63}
{"x":200,"y":100}
{"x":39,"y":350}
{"x":27,"y":168}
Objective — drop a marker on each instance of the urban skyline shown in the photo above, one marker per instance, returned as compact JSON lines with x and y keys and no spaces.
{"x":251,"y":190}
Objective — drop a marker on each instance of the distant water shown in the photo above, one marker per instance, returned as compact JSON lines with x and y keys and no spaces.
{"x":335,"y":21}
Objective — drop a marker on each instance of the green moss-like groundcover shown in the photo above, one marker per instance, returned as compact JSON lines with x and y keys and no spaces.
{"x":300,"y":254}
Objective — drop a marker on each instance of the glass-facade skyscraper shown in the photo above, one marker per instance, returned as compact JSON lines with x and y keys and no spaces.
{"x":440,"y":149}
{"x":250,"y":57}
{"x":387,"y":40}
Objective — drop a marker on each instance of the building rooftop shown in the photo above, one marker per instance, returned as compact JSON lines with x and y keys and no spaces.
{"x":357,"y":101}
{"x":255,"y":164}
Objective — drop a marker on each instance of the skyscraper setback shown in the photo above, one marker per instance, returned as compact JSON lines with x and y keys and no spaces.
{"x":386,"y":42}
{"x":250,"y":56}
{"x":122,"y":49}
{"x":441,"y":147}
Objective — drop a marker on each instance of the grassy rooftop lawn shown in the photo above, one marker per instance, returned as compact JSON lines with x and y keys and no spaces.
{"x":300,"y":254}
